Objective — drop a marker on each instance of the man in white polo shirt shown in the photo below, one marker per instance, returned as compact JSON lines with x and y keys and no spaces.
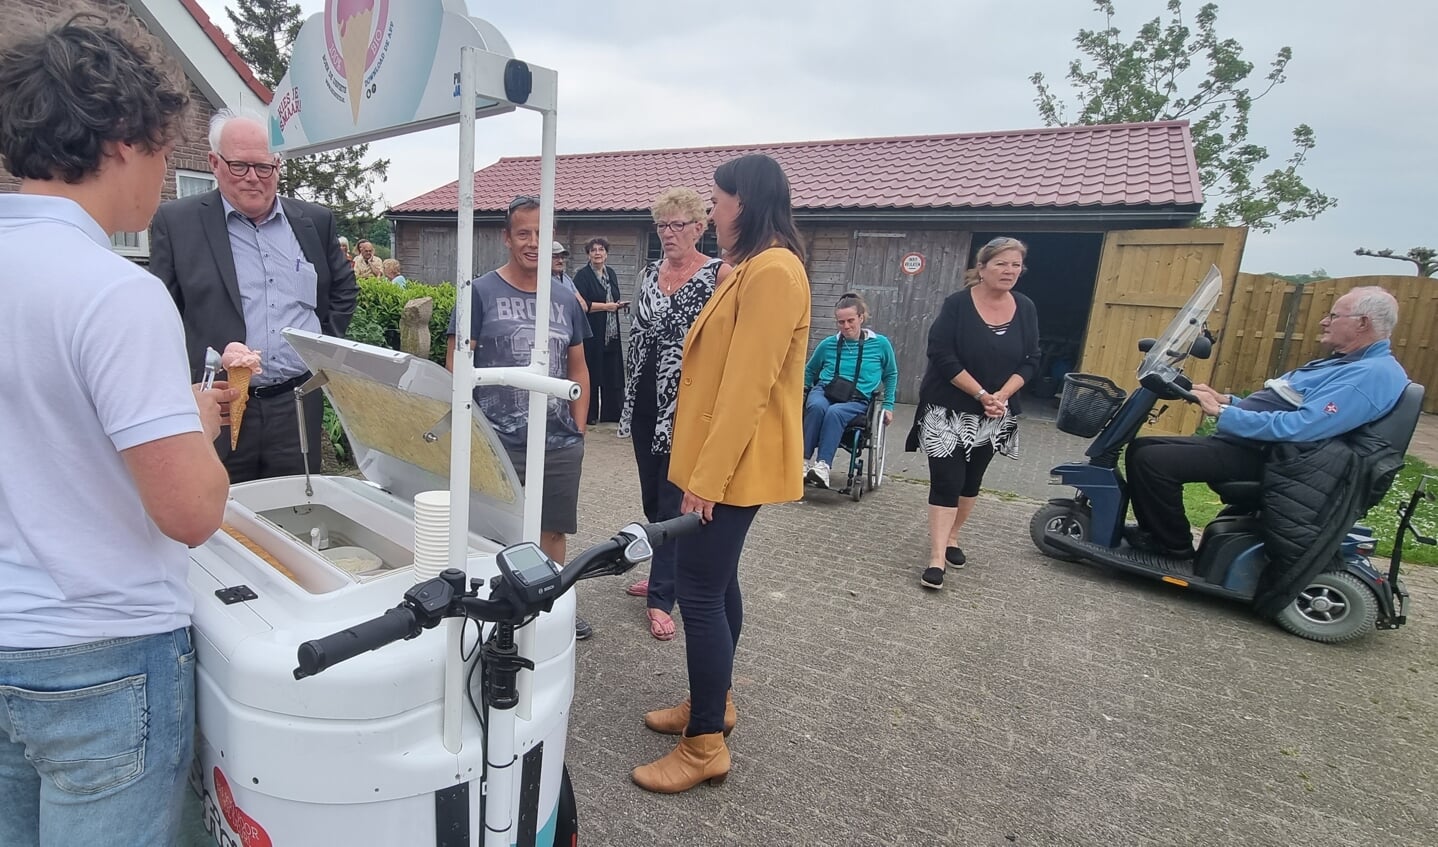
{"x":109,"y":468}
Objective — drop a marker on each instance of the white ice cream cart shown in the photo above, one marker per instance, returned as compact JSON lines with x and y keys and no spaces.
{"x":448,"y":738}
{"x":360,"y":755}
{"x":356,"y":755}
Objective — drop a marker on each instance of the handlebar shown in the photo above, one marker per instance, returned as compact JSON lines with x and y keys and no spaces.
{"x":660,"y":533}
{"x":1184,"y":393}
{"x":394,"y":625}
{"x":427,"y":603}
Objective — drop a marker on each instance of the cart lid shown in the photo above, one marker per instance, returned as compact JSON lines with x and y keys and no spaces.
{"x":395,"y":409}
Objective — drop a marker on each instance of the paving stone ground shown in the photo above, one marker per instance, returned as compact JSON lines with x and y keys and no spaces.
{"x":1031,"y":702}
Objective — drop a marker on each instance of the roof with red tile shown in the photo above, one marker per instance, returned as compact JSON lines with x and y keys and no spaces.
{"x":1121,"y":165}
{"x":228,"y":50}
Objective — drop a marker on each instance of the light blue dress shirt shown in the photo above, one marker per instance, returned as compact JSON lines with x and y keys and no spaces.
{"x":278,"y":289}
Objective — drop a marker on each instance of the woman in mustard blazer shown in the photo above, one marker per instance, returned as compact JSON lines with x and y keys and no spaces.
{"x":738,"y":444}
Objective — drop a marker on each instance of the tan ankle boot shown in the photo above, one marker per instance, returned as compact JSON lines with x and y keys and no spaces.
{"x":676,"y":720}
{"x":696,"y":759}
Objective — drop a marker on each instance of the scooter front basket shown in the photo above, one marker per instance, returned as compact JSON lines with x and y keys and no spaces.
{"x":1087,"y":404}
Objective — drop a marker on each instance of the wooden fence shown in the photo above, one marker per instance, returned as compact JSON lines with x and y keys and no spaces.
{"x":1271,"y":326}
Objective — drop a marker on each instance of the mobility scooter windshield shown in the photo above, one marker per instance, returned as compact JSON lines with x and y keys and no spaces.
{"x":1166,"y":356}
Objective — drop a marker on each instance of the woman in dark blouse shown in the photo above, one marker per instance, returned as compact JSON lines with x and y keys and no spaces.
{"x":598,"y":287}
{"x":671,"y":294}
{"x":983,"y":347}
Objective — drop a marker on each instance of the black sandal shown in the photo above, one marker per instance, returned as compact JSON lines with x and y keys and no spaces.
{"x":932,"y":578}
{"x":955,"y":556}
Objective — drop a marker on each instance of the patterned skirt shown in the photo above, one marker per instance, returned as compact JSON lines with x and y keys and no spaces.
{"x":943,"y":432}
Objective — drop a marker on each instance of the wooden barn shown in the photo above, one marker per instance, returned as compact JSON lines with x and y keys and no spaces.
{"x":1107,"y":212}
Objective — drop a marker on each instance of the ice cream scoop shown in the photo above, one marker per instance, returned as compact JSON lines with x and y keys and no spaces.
{"x":212,"y":363}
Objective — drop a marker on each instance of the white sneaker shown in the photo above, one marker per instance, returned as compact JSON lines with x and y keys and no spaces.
{"x":819,"y":473}
{"x":808,"y":463}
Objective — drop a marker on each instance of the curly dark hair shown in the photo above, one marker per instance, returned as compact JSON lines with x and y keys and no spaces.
{"x":93,"y":80}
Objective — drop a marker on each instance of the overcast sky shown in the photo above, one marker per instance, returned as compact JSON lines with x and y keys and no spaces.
{"x":638,"y":74}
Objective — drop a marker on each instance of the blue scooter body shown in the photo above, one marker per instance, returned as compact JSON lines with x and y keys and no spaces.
{"x":1230,"y":557}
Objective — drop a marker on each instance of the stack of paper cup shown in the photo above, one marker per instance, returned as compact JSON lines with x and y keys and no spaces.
{"x":431,"y":534}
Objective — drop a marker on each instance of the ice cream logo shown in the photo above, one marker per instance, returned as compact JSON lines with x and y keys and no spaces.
{"x":250,"y":833}
{"x":354,"y":35}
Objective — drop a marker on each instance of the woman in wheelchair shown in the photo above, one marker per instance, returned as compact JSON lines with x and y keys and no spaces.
{"x":845,"y":370}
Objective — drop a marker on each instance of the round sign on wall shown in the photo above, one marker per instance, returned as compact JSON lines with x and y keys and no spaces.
{"x":912,"y":263}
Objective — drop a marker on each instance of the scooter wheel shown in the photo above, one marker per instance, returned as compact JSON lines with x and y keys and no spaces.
{"x":1058,"y":519}
{"x":1335,"y":607}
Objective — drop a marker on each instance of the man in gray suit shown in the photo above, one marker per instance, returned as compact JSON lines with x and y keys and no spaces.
{"x":242,"y":264}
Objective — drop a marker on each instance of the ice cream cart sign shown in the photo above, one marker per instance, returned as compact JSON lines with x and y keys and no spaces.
{"x":368,"y":69}
{"x":912,"y":263}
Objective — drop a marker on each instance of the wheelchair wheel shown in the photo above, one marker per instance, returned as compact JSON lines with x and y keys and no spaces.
{"x":878,"y":435}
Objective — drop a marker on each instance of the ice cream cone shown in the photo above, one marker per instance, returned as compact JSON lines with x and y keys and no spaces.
{"x":354,"y":47}
{"x":239,"y":379}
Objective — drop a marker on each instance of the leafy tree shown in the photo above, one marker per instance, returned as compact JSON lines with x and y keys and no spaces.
{"x":1302,"y":279}
{"x":265,"y":32}
{"x":1145,"y":80}
{"x":1426,"y":258}
{"x":378,"y":233}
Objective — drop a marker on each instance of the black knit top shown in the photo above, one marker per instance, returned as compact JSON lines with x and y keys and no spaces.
{"x":960,"y":340}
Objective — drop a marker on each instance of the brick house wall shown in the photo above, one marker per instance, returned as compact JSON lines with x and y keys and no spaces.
{"x":190,"y":152}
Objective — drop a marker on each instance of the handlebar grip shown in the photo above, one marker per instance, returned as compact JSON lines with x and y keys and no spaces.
{"x":396,"y":624}
{"x":661,"y":532}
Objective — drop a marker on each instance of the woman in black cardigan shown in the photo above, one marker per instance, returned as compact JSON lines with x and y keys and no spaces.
{"x":598,"y":287}
{"x":982,"y":349}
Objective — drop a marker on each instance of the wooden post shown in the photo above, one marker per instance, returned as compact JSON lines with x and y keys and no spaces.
{"x":414,"y":326}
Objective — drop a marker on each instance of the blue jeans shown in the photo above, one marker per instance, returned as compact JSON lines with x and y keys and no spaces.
{"x":713,"y":610}
{"x":824,"y":423}
{"x":96,"y":741}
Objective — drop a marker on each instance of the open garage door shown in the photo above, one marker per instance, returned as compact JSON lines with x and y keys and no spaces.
{"x":1145,"y":276}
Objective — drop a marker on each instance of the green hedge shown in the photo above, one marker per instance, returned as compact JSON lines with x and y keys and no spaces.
{"x":381,"y":304}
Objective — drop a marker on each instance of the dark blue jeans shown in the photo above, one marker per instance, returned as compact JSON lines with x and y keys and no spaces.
{"x":713,"y":610}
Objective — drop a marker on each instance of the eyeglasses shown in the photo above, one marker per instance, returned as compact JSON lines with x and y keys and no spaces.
{"x":672,"y":226}
{"x":263,"y":170}
{"x":522,"y":201}
{"x":1333,"y":316}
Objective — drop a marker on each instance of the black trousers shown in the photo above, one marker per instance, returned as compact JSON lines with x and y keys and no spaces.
{"x":270,"y":439}
{"x":952,"y":477}
{"x":661,"y":497}
{"x":606,"y":378}
{"x":1159,"y":466}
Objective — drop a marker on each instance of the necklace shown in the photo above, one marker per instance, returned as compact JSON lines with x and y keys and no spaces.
{"x":671,"y":281}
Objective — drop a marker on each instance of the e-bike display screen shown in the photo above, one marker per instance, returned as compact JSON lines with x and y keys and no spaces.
{"x":528,"y":570}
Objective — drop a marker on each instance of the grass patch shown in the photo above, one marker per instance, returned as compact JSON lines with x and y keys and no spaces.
{"x":1202,"y":505}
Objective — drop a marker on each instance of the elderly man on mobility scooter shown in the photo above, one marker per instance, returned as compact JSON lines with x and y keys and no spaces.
{"x":1357,"y":384}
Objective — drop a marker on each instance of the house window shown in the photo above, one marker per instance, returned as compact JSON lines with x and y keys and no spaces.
{"x":132,"y":245}
{"x":708,"y":245}
{"x":188,"y":183}
{"x":136,"y":245}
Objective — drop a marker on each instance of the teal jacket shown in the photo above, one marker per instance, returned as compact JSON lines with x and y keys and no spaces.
{"x":879,"y":364}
